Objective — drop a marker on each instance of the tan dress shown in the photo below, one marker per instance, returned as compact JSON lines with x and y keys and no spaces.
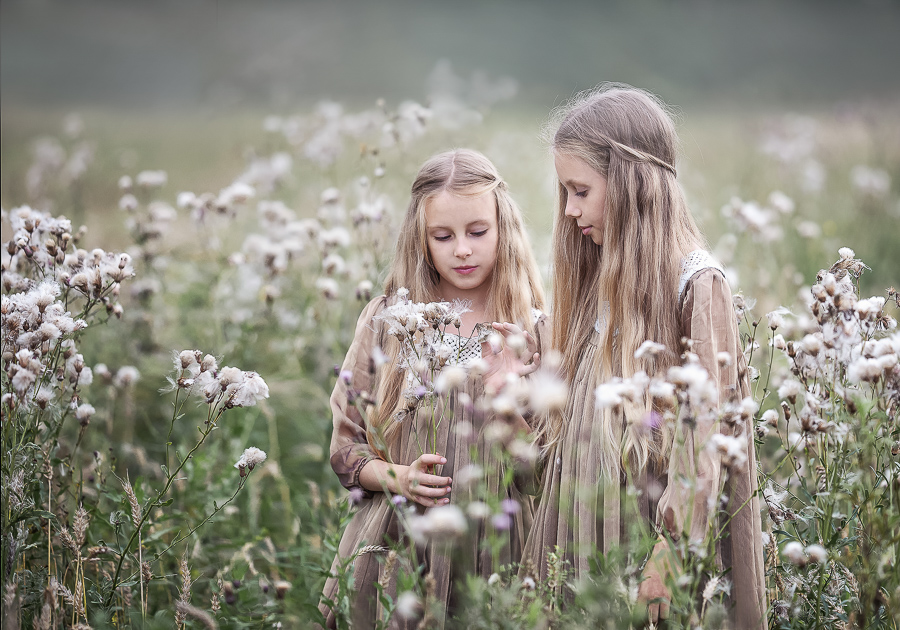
{"x":578,"y":512}
{"x":375,"y":521}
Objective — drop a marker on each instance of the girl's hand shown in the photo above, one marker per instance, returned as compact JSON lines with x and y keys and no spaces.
{"x":416,"y":484}
{"x":653,"y":591}
{"x":509,"y":359}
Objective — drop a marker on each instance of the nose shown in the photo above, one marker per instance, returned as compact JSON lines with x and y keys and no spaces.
{"x":463,"y":249}
{"x":571,"y":210}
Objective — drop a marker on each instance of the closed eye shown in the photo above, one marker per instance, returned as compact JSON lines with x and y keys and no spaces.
{"x":441,"y":238}
{"x":480,"y":233}
{"x":581,"y":194}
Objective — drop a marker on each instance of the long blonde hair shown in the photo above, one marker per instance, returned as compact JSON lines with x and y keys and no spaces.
{"x":631,"y":281}
{"x":515,"y":281}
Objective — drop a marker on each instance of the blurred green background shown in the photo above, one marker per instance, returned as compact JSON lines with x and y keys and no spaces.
{"x":216,"y":56}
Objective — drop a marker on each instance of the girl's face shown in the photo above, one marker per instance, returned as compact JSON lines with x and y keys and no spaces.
{"x":585,"y":195}
{"x":462,"y":235}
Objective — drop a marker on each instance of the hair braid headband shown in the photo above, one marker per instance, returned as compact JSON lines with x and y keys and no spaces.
{"x":638,"y":155}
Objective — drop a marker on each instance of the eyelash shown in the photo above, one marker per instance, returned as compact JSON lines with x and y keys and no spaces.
{"x":581,"y":194}
{"x":447,"y":238}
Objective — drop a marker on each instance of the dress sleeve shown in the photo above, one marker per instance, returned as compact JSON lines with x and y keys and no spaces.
{"x":350,"y":450}
{"x":707,"y":317}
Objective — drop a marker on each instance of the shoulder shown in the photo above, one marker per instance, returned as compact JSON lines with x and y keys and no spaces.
{"x":367,"y":318}
{"x":707,"y":296}
{"x":698,"y":265}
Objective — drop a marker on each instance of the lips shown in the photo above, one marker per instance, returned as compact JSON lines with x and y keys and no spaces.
{"x":464,"y":270}
{"x":585,"y":229}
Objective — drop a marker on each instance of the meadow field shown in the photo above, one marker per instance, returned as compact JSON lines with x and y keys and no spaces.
{"x":134,"y":491}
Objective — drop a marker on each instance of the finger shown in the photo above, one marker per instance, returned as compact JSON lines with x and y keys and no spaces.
{"x":506,"y":328}
{"x":427,"y":491}
{"x":531,"y":366}
{"x":529,"y":339}
{"x":653,"y":613}
{"x":433,"y":480}
{"x":429,"y":459}
{"x":429,"y":501}
{"x":664,"y":609}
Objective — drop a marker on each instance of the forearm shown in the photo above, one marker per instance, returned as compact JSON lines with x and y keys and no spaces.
{"x":378,"y":475}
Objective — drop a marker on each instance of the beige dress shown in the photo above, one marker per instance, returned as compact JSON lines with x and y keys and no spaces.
{"x":578,"y":512}
{"x":375,"y":521}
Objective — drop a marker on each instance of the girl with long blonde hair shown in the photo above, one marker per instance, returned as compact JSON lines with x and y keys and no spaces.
{"x":630,"y":265}
{"x":462,"y":239}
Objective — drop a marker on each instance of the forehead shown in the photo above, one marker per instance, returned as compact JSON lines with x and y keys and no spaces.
{"x":447,"y":209}
{"x":570,"y":168}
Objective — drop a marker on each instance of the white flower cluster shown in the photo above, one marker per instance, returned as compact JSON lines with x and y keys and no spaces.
{"x":42,"y":272}
{"x":761,"y":222}
{"x":847,"y":337}
{"x":40,"y":247}
{"x":425,"y":350}
{"x":54,"y":165}
{"x":229,"y":386}
{"x":874,"y":182}
{"x":793,"y":141}
{"x":207,"y":205}
{"x":250,"y":458}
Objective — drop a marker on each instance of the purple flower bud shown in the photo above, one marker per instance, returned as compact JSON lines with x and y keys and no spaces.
{"x":398,"y":499}
{"x":510,"y":506}
{"x":346,"y":376}
{"x":501,"y":521}
{"x":356,"y":495}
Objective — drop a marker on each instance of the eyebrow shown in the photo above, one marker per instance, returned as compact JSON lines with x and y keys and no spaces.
{"x":575,"y":183}
{"x":468,"y":225}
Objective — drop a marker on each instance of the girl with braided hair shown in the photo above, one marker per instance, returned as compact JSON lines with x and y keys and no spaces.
{"x":630,"y":265}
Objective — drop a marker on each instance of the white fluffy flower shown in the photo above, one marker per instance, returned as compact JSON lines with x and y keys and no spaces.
{"x":442,"y":522}
{"x":793,"y":551}
{"x":408,"y":605}
{"x":450,"y":378}
{"x":790,"y":389}
{"x":151,"y":179}
{"x":649,"y":349}
{"x":817,"y":554}
{"x":84,"y":413}
{"x":250,"y":458}
{"x":547,"y":392}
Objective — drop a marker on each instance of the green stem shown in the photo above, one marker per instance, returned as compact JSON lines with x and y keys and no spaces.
{"x":155,"y":503}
